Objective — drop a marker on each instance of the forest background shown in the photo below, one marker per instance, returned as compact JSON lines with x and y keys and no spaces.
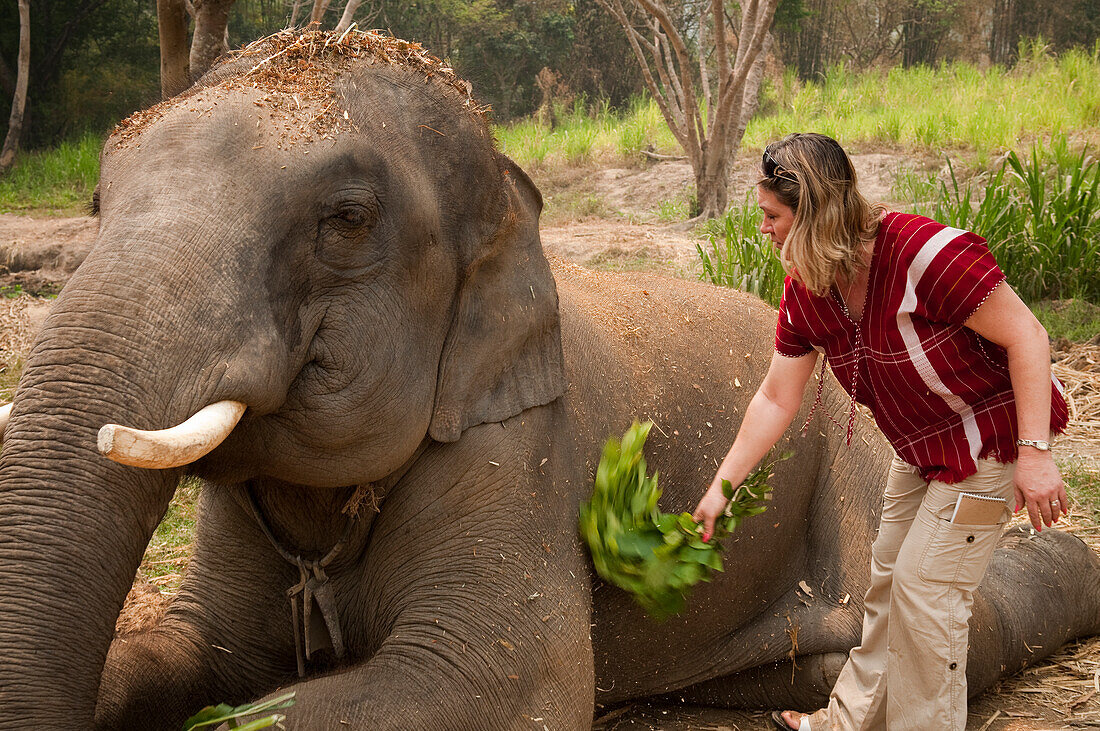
{"x":95,"y":61}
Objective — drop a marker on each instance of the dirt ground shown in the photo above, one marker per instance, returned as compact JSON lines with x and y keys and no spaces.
{"x":617,"y":226}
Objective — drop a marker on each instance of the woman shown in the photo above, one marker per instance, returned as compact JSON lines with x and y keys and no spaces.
{"x":918,"y":325}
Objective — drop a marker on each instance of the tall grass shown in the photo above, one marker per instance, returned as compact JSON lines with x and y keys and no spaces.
{"x":737,"y":255}
{"x":583,"y":134}
{"x":1040,"y":213}
{"x":954,"y":105}
{"x":60,"y":180}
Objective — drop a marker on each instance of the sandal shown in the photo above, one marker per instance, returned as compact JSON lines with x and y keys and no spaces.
{"x":777,"y":719}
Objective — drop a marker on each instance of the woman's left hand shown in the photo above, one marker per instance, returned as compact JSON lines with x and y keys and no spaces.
{"x":1039,"y":486}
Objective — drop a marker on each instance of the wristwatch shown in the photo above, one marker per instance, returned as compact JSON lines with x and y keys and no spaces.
{"x":1037,"y":443}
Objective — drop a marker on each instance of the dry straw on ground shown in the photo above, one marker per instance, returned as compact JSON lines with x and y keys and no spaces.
{"x":1078,"y":367}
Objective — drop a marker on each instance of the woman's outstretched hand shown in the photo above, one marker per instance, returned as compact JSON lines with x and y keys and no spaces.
{"x":709,"y":508}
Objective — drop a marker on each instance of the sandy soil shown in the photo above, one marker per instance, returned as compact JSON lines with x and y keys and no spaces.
{"x":40,"y":254}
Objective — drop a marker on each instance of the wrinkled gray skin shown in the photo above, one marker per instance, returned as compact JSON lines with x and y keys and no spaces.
{"x":383,"y":307}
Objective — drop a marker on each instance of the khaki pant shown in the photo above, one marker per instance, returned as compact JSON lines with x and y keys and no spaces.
{"x":909,"y":672}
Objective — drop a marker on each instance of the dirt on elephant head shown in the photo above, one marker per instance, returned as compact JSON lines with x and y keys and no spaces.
{"x":295,"y":72}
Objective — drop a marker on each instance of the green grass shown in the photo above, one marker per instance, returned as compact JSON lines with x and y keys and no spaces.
{"x":574,"y":205}
{"x":737,"y":255}
{"x":11,"y":368}
{"x":583,"y":135}
{"x":1074,"y":320}
{"x":167,"y":553}
{"x":952,"y":106}
{"x":618,"y":260}
{"x":1082,"y":478}
{"x":58,"y":181}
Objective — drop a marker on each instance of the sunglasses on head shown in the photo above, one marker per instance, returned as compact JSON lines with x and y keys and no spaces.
{"x":772,"y":169}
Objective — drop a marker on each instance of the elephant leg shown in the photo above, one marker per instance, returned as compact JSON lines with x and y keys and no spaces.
{"x":226,"y":636}
{"x":1037,"y":595}
{"x":1034,"y":598}
{"x":404,"y":688}
{"x":153,"y":679}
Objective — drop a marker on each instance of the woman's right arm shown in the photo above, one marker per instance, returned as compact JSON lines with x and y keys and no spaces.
{"x":770,"y":412}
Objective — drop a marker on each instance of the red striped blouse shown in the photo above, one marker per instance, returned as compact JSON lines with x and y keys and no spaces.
{"x":939,"y":392}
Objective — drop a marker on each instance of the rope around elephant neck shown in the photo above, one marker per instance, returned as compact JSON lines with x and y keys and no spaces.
{"x":311,"y":590}
{"x":291,"y":558}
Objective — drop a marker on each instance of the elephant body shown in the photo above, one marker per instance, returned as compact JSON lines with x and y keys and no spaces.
{"x":426,"y":403}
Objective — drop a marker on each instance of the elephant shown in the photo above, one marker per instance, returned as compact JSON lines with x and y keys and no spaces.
{"x":316,"y":265}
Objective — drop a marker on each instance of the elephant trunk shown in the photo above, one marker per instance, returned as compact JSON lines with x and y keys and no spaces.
{"x":73,"y":528}
{"x":117,"y":348}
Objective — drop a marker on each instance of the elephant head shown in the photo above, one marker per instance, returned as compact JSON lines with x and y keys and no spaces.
{"x":321,"y":231}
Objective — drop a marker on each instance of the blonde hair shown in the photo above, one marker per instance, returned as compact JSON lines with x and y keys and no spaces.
{"x":833,"y":222}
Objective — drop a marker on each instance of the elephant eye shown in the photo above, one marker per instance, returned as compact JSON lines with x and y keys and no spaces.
{"x":345,"y":228}
{"x":352,"y":214}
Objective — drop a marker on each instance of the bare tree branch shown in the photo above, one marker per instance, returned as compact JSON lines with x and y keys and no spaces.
{"x":709,"y":141}
{"x":293,"y":22}
{"x":615,"y":7}
{"x":704,"y":78}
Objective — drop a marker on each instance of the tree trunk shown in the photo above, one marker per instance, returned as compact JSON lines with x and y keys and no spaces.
{"x":293,"y":23}
{"x":711,"y":187}
{"x":172,"y":20}
{"x":711,"y":140}
{"x":210,"y":40}
{"x":319,"y":8}
{"x":19,"y":103}
{"x":348,"y":16}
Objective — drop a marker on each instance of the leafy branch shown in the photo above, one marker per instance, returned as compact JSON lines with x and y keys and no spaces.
{"x":657,"y":557}
{"x":212,"y":716}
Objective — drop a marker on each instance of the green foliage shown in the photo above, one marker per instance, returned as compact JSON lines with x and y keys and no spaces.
{"x":11,"y":368}
{"x":92,"y":63}
{"x":212,"y":716}
{"x":1041,"y":216}
{"x":954,"y":105}
{"x":1082,"y":478}
{"x":656,"y":557}
{"x":584,"y":135}
{"x":170,"y":547}
{"x":737,"y":255}
{"x":60,"y":180}
{"x":1074,"y":320}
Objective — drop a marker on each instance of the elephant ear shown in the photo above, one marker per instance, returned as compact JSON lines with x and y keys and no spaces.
{"x":503,"y":352}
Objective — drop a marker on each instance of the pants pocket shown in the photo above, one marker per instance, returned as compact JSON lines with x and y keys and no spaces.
{"x":958,"y":554}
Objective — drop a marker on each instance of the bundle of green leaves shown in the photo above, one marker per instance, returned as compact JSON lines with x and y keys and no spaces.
{"x":236,"y":718}
{"x":656,"y":557}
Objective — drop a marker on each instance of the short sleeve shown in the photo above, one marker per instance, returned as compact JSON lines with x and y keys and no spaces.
{"x":959,"y":279}
{"x":788,"y":340}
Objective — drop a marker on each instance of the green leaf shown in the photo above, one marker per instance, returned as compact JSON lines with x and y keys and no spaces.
{"x":223,"y":713}
{"x":656,"y":557}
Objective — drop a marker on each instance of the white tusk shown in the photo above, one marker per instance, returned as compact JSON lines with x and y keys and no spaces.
{"x":173,"y":447}
{"x":5,"y":414}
